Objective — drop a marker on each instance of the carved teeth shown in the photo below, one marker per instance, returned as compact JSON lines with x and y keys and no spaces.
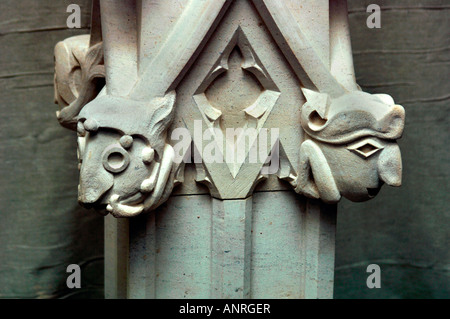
{"x":148,"y":154}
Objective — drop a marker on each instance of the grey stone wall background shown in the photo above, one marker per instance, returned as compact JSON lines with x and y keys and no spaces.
{"x":404,"y":230}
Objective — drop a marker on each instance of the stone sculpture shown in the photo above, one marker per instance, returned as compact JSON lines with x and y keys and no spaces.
{"x":150,"y":68}
{"x":125,"y":160}
{"x":350,"y":147}
{"x":351,"y":150}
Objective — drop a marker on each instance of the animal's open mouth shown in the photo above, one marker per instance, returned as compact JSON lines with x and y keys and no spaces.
{"x":372,"y":192}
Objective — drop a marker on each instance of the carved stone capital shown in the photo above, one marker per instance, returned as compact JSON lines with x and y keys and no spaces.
{"x":259,"y":66}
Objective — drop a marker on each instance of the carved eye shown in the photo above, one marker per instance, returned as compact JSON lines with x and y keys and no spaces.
{"x":115,"y":159}
{"x":366,"y":147}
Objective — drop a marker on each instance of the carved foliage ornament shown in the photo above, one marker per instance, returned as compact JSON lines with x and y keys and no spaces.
{"x":125,"y":156}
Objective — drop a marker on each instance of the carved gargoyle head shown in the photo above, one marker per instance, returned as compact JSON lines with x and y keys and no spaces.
{"x":351,"y":116}
{"x":350,"y":150}
{"x":124,"y":159}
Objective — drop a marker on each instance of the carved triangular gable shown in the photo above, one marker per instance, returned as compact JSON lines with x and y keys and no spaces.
{"x":186,"y":31}
{"x":241,"y":49}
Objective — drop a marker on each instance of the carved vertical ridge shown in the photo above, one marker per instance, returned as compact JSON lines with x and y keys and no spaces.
{"x":119,"y":24}
{"x":341,"y":63}
{"x":319,"y":229}
{"x":231,"y":248}
{"x":116,"y":257}
{"x":142,"y":258}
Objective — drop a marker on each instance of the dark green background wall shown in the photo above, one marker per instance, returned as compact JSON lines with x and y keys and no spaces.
{"x":42,"y":228}
{"x":404,"y":230}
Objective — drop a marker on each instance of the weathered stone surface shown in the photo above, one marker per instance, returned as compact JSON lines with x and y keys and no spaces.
{"x":245,"y":66}
{"x":216,"y":69}
{"x":200,"y":247}
{"x":407,"y":235}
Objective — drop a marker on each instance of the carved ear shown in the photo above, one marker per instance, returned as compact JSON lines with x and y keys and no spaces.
{"x":314,"y":111}
{"x":315,"y":179}
{"x":318,"y":101}
{"x":162,"y":115}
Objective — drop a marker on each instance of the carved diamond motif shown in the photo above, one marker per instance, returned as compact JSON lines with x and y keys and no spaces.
{"x":237,"y":93}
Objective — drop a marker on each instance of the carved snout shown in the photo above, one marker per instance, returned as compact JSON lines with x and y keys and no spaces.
{"x":390,"y":165}
{"x":93,"y":184}
{"x":94,"y":179}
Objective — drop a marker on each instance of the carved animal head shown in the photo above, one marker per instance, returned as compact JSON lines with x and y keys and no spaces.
{"x":352,"y":151}
{"x":351,"y":116}
{"x":124,"y":159}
